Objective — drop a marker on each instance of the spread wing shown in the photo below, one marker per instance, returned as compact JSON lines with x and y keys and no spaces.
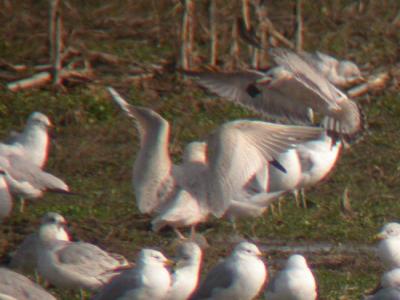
{"x":243,"y":88}
{"x":239,"y":149}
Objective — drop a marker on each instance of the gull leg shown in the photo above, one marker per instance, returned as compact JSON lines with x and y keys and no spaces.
{"x":82,"y":294}
{"x":296,"y":197}
{"x":21,"y":205}
{"x":179,"y":234}
{"x":193,"y":232}
{"x":280,"y":205}
{"x":303,"y":198}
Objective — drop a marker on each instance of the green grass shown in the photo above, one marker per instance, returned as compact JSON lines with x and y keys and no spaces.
{"x":93,"y":144}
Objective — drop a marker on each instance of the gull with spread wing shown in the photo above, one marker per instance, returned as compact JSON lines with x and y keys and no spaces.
{"x":290,"y":90}
{"x":183,"y":195}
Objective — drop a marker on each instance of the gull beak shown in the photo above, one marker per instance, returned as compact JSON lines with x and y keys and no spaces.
{"x":169,"y":263}
{"x":379,"y":237}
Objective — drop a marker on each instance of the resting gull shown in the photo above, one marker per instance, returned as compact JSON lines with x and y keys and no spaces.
{"x":148,"y":280}
{"x":389,"y":245}
{"x":389,"y":287}
{"x":25,"y":257}
{"x":295,"y":282}
{"x":183,"y":195}
{"x":185,"y":278}
{"x":74,"y":265}
{"x":14,"y":286}
{"x":238,"y":277}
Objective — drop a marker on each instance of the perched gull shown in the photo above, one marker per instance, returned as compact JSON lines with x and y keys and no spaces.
{"x":148,"y":280}
{"x":183,"y":195}
{"x":389,"y":288}
{"x":74,"y":265}
{"x":25,"y":257}
{"x":186,"y":275}
{"x":32,"y":144}
{"x":389,"y":246}
{"x":239,"y":277}
{"x":14,"y":286}
{"x":295,"y":282}
{"x":289,"y":90}
{"x":6,"y":203}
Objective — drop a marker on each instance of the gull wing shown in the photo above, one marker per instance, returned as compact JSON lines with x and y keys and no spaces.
{"x":219,"y":277}
{"x":239,"y":149}
{"x":243,"y":89}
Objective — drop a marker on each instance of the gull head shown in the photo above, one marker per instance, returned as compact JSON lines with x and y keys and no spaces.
{"x":246,"y":249}
{"x":296,"y":261}
{"x":350,"y":72}
{"x":390,"y":230}
{"x":40,"y":120}
{"x":152,"y":257}
{"x":189,"y":253}
{"x":53,"y":227}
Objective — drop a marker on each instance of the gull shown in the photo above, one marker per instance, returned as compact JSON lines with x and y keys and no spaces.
{"x":389,"y":287}
{"x":385,"y":294}
{"x":32,"y":143}
{"x":295,"y":282}
{"x":183,"y":195}
{"x":74,"y":265}
{"x":389,"y":245}
{"x":289,"y":90}
{"x":342,"y":73}
{"x":185,"y":278}
{"x":306,"y":165}
{"x":14,"y":286}
{"x":238,"y":277}
{"x":25,"y":257}
{"x":148,"y":280}
{"x":27,"y":180}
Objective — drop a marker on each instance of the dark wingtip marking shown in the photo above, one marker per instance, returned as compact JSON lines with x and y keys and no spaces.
{"x":253,"y":91}
{"x":277,"y":165}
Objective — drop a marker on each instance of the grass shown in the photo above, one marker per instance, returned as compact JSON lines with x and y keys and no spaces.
{"x":94,"y":145}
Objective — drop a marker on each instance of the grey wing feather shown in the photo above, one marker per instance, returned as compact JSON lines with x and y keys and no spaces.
{"x":237,"y":150}
{"x":221,"y":276}
{"x":20,"y":287}
{"x":118,"y":286}
{"x":310,"y":78}
{"x":80,"y":253}
{"x":242,"y":88}
{"x":23,"y":170}
{"x":385,"y":294}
